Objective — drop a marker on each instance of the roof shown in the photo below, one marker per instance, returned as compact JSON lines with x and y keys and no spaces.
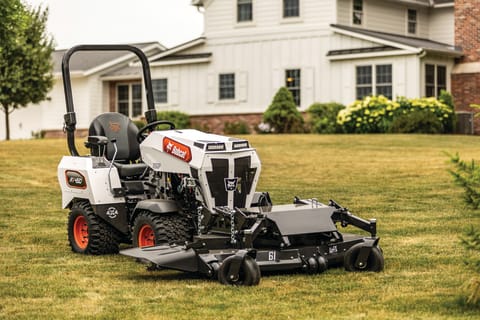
{"x":83,"y":61}
{"x":182,"y":54}
{"x":429,"y":3}
{"x":400,"y":41}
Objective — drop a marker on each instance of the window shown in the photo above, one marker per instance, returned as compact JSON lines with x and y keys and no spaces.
{"x":292,"y":82}
{"x":412,"y":21}
{"x":226,"y":86}
{"x":244,"y":10}
{"x":357,"y":12}
{"x":435,"y":79}
{"x":384,"y":80}
{"x":364,"y":81}
{"x":291,"y":8}
{"x":374,"y":81}
{"x":441,"y":79}
{"x":160,"y":90}
{"x":430,"y":80}
{"x":129,"y":99}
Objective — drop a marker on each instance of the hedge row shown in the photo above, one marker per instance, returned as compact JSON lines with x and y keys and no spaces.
{"x":373,"y":114}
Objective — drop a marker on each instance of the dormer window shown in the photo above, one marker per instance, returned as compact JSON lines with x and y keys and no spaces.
{"x":291,"y":8}
{"x":412,"y":21}
{"x":357,"y":12}
{"x":244,"y":10}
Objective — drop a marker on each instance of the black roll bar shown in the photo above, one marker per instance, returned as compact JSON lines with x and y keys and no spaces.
{"x":69,"y":117}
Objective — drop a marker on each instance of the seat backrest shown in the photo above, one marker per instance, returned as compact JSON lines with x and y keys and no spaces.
{"x":117,"y":126}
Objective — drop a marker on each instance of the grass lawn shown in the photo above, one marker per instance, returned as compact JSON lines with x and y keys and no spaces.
{"x":400,"y":180}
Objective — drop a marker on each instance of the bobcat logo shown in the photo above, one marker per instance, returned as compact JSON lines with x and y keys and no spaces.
{"x":231,"y":184}
{"x":114,"y":126}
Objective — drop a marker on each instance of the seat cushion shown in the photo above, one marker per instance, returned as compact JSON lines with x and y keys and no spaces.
{"x":130,"y":170}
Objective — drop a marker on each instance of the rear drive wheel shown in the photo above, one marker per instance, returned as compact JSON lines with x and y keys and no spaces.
{"x":87,"y":233}
{"x":375,"y":260}
{"x":150,"y":229}
{"x":249,"y":273}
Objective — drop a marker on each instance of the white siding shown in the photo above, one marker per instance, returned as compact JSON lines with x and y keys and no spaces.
{"x":386,"y":16}
{"x":442,"y":26}
{"x":344,"y":12}
{"x":220,"y":18}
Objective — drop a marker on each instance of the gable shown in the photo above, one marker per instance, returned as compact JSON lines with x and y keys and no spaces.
{"x":194,"y":51}
{"x":349,"y":42}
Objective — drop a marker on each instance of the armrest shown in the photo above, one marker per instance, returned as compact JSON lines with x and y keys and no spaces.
{"x":96,"y":144}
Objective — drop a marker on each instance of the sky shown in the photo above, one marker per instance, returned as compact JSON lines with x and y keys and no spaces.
{"x":73,"y":22}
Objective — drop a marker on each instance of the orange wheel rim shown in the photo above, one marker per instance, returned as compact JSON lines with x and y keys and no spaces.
{"x":146,"y":236}
{"x":80,"y":232}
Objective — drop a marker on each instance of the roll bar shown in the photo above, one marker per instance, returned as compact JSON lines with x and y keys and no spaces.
{"x":69,"y":117}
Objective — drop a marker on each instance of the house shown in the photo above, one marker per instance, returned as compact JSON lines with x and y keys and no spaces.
{"x":101,"y":81}
{"x":329,"y":50}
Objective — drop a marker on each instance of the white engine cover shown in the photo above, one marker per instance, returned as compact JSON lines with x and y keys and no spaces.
{"x":227,"y":168}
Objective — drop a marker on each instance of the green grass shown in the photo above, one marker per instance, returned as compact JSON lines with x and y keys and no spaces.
{"x":400,"y":180}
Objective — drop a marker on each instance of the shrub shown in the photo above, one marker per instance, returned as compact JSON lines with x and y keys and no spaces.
{"x":467,"y":175}
{"x":371,"y":115}
{"x":377,"y":114}
{"x":236,"y":127}
{"x":139,"y":123}
{"x":446,"y":98}
{"x":418,"y":121}
{"x":444,"y":113}
{"x":282,"y":114}
{"x":180,"y":119}
{"x":323,"y":117}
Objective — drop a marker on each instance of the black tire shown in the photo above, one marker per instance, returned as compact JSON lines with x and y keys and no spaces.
{"x":375,"y":261}
{"x":249,"y":274}
{"x":150,"y":229}
{"x":88,"y":234}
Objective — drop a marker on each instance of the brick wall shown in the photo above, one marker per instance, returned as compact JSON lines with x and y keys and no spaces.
{"x":216,"y":123}
{"x":467,"y":29}
{"x":466,"y":74}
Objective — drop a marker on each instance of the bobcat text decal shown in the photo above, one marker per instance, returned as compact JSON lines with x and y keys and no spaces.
{"x":177,"y":149}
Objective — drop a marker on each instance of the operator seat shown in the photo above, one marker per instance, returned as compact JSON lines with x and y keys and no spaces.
{"x":113,"y":125}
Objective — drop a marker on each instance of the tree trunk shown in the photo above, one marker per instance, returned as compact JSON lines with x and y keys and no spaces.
{"x":6,"y":110}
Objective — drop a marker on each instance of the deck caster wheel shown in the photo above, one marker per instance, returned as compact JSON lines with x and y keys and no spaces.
{"x":375,"y":261}
{"x":311,"y":267}
{"x":322,"y":264}
{"x":213,"y":272}
{"x":248,"y":275}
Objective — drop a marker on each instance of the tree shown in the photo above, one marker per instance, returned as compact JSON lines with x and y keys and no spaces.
{"x":25,"y":57}
{"x":282,"y":114}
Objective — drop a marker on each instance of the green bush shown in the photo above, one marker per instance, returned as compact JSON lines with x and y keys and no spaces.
{"x":444,"y":113}
{"x":377,"y":114}
{"x":180,"y":119}
{"x":323,"y":117}
{"x":467,"y":176}
{"x":236,"y":127}
{"x":282,"y":115}
{"x":139,"y":123}
{"x":418,"y":121}
{"x":371,"y":115}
